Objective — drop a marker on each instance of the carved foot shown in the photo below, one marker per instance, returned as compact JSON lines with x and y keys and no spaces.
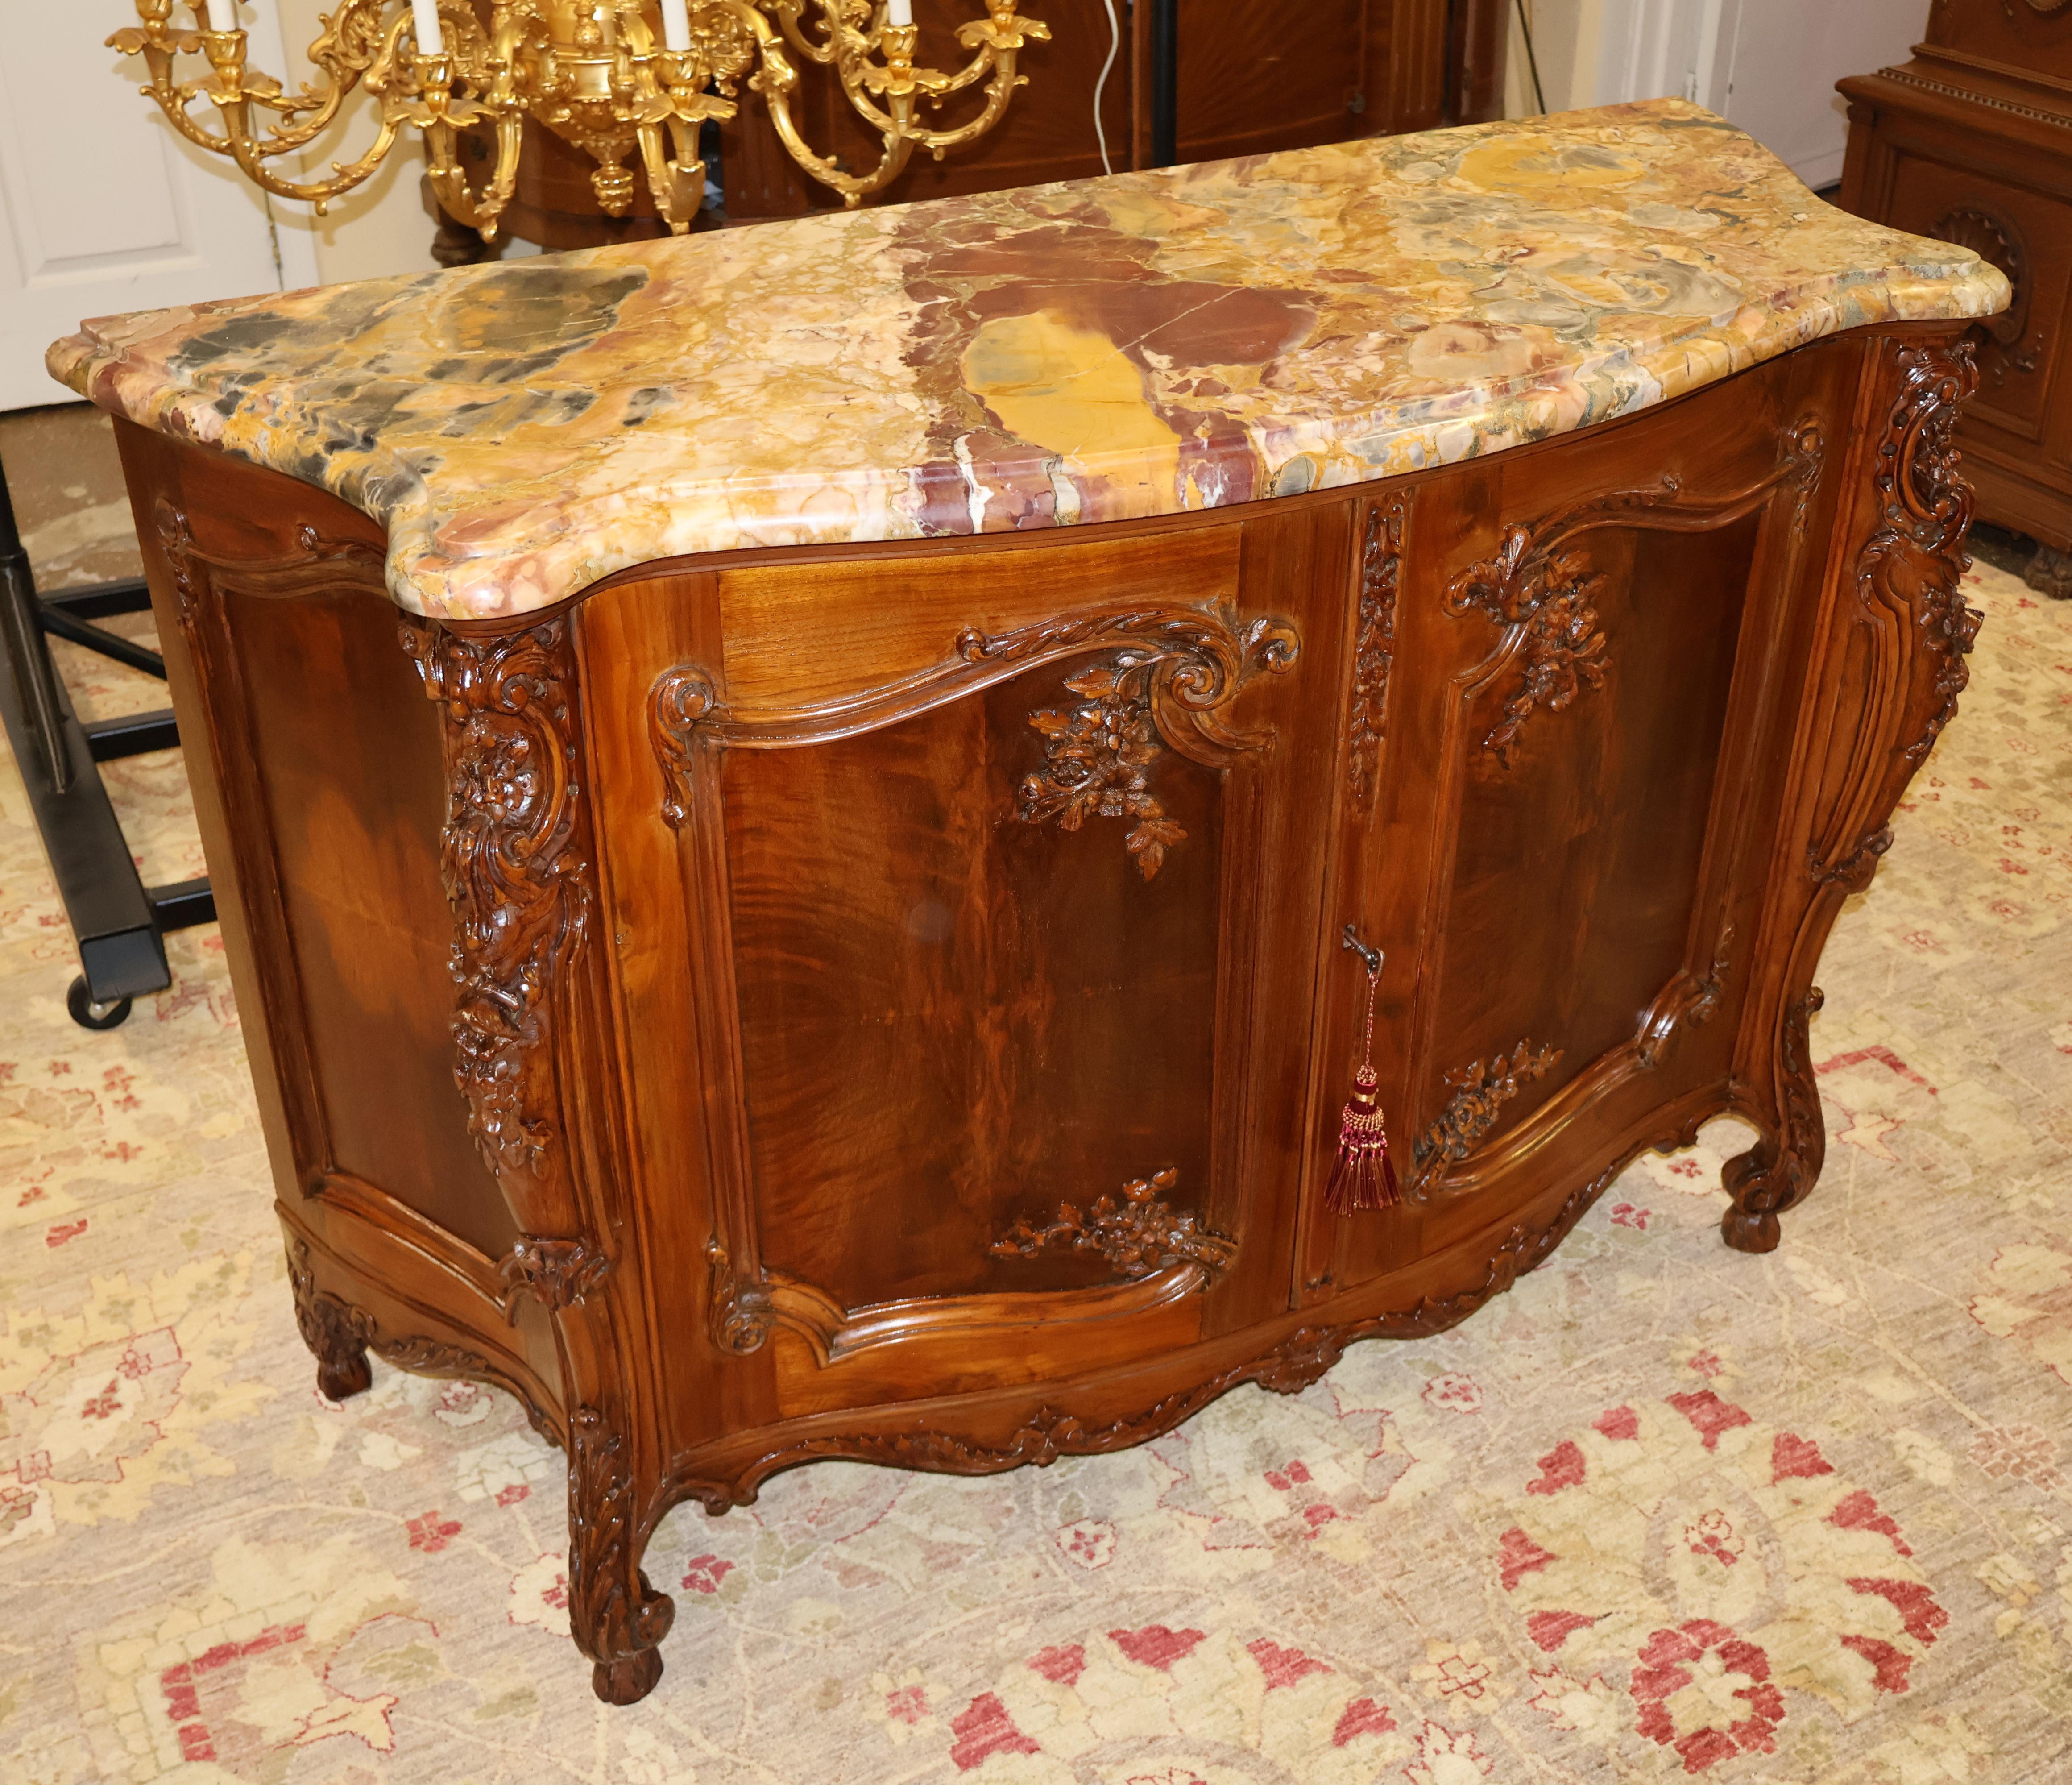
{"x":345,"y":1373}
{"x":335,"y":1332}
{"x":1763,"y":1182}
{"x":616,"y":1616}
{"x":628,"y":1681}
{"x":2049,"y":573}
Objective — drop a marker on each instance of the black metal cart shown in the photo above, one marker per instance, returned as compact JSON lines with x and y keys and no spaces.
{"x":119,"y":923}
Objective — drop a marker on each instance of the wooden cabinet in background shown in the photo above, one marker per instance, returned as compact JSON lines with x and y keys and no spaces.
{"x":1971,"y":141}
{"x":1253,"y":75}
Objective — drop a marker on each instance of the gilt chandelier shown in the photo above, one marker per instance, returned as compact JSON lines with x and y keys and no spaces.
{"x":617,"y":78}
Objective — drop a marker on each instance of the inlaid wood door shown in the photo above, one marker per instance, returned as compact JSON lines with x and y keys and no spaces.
{"x":998,"y":876}
{"x":1561,"y":827}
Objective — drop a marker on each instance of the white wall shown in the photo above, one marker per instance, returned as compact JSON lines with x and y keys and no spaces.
{"x":1769,"y":65}
{"x":379,"y":228}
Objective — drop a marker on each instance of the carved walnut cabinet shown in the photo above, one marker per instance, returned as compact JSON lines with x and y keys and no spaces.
{"x":888,"y":997}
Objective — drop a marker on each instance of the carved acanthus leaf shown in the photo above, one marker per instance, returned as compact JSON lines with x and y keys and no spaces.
{"x":1915,"y":559}
{"x":1139,"y":1236}
{"x":514,"y":871}
{"x":1374,"y":648}
{"x":614,"y":1612}
{"x":1479,"y":1092}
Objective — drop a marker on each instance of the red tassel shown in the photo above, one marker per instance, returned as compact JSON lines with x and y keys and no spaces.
{"x":1363,"y":1176}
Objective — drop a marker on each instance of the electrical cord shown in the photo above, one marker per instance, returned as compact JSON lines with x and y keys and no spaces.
{"x":1531,"y":60}
{"x":1114,"y":46}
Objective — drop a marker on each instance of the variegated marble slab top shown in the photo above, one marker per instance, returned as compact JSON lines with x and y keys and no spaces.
{"x":1094,"y":351}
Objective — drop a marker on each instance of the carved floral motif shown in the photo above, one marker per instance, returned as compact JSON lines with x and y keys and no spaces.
{"x":1479,"y":1093}
{"x":1138,"y":1237}
{"x":1374,"y":648}
{"x":1164,"y":689}
{"x":514,"y":873}
{"x":1540,"y":587}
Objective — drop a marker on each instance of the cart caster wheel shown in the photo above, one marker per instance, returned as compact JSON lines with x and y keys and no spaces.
{"x":89,"y":1015}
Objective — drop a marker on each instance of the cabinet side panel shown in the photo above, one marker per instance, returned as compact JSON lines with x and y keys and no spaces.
{"x":348,"y":753}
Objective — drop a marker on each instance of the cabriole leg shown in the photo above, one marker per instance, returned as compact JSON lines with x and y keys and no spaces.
{"x":1780,"y":1169}
{"x":616,"y":1616}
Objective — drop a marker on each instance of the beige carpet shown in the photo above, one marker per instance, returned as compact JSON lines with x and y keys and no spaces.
{"x":1664,"y":1511}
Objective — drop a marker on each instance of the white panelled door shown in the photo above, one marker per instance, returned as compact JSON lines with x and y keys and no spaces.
{"x":103,"y":208}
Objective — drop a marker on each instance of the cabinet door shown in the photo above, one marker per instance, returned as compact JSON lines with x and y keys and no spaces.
{"x":998,"y":871}
{"x":1564,"y":784}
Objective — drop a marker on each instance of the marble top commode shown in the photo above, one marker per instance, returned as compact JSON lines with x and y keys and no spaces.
{"x":1095,"y":351}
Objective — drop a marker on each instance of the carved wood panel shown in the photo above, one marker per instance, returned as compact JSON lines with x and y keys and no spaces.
{"x":1093,"y":1048}
{"x":1578,"y":826}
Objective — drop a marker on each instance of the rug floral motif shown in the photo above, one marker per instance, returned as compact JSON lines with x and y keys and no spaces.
{"x":1664,"y":1512}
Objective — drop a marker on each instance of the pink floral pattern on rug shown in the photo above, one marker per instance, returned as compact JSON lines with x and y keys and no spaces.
{"x":1664,"y":1512}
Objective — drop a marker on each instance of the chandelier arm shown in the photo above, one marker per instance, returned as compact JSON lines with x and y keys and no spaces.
{"x":786,"y":13}
{"x":997,"y":93}
{"x":477,"y":211}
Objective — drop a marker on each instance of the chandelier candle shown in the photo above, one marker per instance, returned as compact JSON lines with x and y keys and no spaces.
{"x":676,"y":25}
{"x":223,"y":15}
{"x":899,"y":12}
{"x":424,"y":18}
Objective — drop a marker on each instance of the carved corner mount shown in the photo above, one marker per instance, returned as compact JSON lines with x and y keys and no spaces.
{"x":1374,"y":645}
{"x":559,"y":1273}
{"x":1164,"y":687}
{"x":1479,"y":1092}
{"x":1139,"y":1236}
{"x":514,"y":874}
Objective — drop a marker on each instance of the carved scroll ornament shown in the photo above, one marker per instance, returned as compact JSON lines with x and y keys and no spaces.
{"x":514,"y":872}
{"x":1139,"y":1236}
{"x":559,"y":1273}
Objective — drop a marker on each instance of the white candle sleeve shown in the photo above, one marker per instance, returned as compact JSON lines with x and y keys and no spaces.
{"x":676,"y":26}
{"x":424,"y":15}
{"x":899,"y":12}
{"x":223,"y":15}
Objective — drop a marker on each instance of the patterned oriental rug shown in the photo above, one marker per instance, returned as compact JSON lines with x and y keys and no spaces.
{"x":1663,"y":1511}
